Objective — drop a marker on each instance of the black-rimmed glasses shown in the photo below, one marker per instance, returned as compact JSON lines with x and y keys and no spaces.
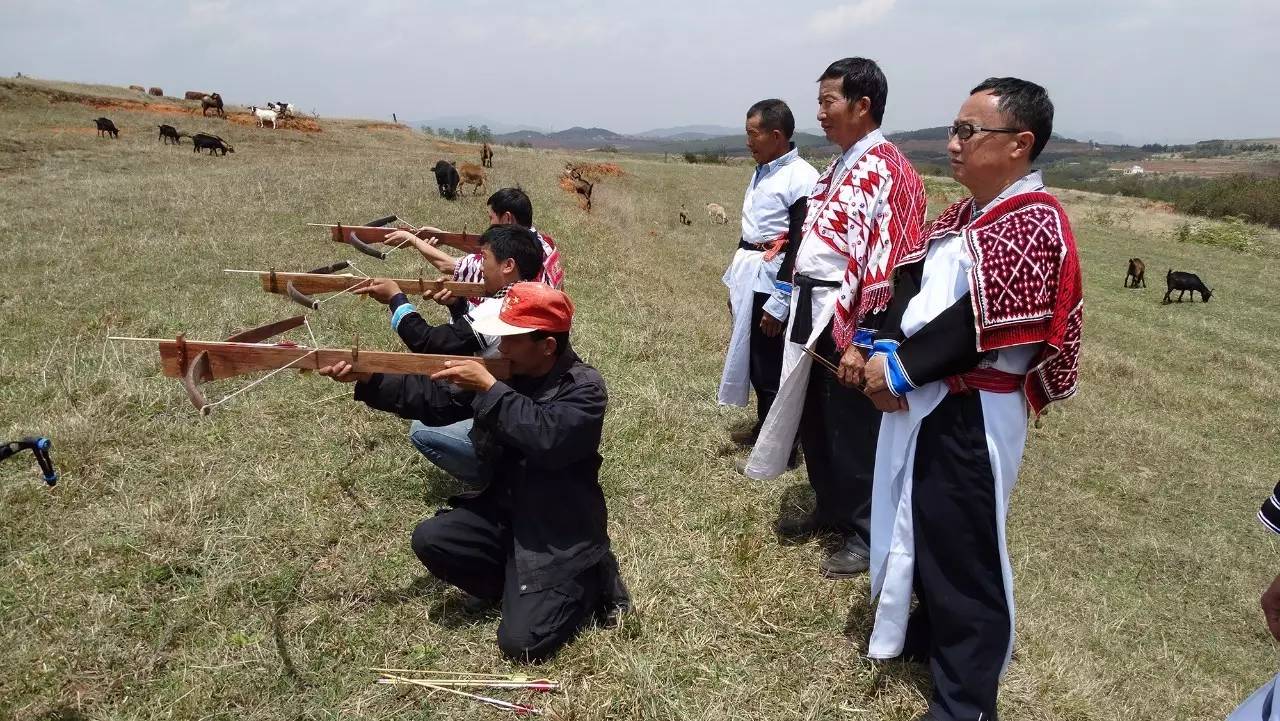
{"x":964,"y":131}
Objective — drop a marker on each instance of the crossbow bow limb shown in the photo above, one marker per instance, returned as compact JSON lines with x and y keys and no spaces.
{"x":364,"y":237}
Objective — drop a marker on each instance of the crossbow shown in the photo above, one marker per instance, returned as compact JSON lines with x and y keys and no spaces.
{"x":364,"y":237}
{"x":245,"y":352}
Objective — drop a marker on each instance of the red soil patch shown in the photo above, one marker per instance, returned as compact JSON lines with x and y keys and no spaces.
{"x":601,"y":169}
{"x":138,"y":106}
{"x":306,"y":125}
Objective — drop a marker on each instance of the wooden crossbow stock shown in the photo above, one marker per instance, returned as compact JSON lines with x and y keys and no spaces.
{"x":195,"y":362}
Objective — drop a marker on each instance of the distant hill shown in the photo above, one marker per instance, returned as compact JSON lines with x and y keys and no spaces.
{"x":450,"y":122}
{"x":689,"y":132}
{"x":923,"y":145}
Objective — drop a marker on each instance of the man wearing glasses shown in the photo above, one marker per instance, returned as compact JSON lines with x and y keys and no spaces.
{"x":864,"y":212}
{"x":984,"y":323}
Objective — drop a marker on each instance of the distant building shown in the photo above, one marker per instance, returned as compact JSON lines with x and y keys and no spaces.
{"x":1135,"y":170}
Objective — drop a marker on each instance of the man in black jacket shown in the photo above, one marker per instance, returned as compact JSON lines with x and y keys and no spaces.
{"x":511,"y":254}
{"x":536,"y":536}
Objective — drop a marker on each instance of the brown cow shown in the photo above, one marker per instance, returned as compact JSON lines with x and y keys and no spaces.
{"x":139,"y":88}
{"x":156,"y":92}
{"x":194,"y":95}
{"x":472,"y":174}
{"x":1137,"y":272}
{"x":486,"y":156}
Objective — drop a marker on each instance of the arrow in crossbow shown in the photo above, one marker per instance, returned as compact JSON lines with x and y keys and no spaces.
{"x":301,"y":286}
{"x":195,"y":362}
{"x":364,"y":237}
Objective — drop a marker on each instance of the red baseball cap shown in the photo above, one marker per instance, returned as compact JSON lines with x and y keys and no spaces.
{"x":529,"y":307}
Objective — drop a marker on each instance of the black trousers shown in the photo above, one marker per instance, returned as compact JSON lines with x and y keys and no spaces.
{"x":472,"y":548}
{"x":765,"y":361}
{"x":961,"y":622}
{"x":838,"y":431}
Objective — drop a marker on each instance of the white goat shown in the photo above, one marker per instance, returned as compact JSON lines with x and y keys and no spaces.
{"x":263,"y":116}
{"x":716,"y":211}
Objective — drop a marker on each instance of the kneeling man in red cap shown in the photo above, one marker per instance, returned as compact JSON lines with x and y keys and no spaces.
{"x":535,"y":538}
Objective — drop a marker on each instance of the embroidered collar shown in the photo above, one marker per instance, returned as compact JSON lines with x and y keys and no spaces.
{"x":860,"y":148}
{"x":1028,"y":183}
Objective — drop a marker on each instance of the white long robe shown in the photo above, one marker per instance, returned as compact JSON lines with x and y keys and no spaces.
{"x":818,"y":260}
{"x":1262,"y":705}
{"x":944,"y":281}
{"x":766,"y":205}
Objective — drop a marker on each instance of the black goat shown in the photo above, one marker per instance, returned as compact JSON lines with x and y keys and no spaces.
{"x":106,"y":127}
{"x":200,"y":141}
{"x":1184,"y":282}
{"x":169,"y":134}
{"x":447,"y":179}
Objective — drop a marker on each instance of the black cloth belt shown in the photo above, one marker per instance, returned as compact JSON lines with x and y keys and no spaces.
{"x":802,"y":326}
{"x":744,"y":245}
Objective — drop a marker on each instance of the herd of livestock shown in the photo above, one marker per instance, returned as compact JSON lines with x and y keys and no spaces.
{"x":209,"y":102}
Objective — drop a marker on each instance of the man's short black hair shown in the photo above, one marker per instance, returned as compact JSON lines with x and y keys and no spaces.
{"x":519,"y":244}
{"x":562,"y":339}
{"x":861,"y":78}
{"x":774,"y":115}
{"x":1026,"y":103}
{"x":514,"y":201}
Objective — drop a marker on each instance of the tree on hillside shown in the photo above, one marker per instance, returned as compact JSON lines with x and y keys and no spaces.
{"x":473,"y":134}
{"x":485,"y":134}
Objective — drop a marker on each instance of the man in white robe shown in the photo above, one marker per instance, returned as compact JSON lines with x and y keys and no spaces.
{"x":772,"y":212}
{"x":984,"y":323}
{"x":865,"y":209}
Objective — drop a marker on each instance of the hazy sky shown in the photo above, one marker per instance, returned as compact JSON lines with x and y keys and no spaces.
{"x":1147,"y":69}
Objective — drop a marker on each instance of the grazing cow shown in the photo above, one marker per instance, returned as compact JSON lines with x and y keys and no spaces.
{"x":194,"y":95}
{"x":684,"y":217}
{"x":168,"y":134}
{"x":716,"y":212}
{"x":139,"y":88}
{"x":156,"y":92}
{"x":486,"y":156}
{"x":107,"y":128}
{"x":1184,"y":282}
{"x":472,"y":174}
{"x":200,"y":141}
{"x":1137,"y":273}
{"x":213,"y":101}
{"x":446,"y":179}
{"x":264,"y":116}
{"x":582,"y":186}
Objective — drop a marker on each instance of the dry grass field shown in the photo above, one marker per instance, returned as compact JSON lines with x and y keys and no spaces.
{"x":254,"y":564}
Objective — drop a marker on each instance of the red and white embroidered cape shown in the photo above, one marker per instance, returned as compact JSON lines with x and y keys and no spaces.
{"x":1025,"y":285}
{"x":873,"y":215}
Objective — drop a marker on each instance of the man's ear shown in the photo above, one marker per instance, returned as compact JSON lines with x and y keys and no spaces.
{"x":1025,"y":141}
{"x":863,"y":106}
{"x":508,"y":265}
{"x":549,"y":348}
